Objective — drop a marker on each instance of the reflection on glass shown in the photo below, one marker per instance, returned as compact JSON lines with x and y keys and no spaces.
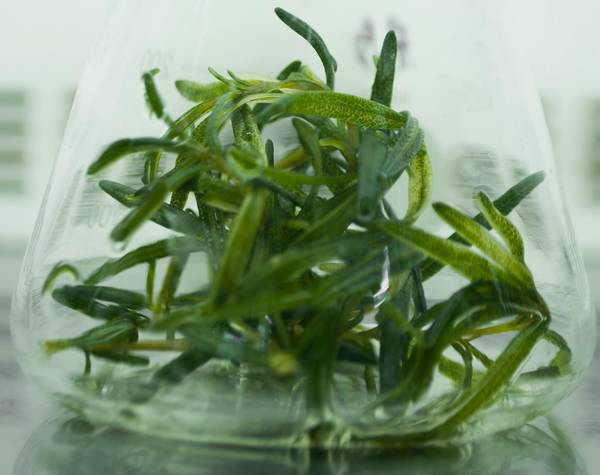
{"x":64,"y":445}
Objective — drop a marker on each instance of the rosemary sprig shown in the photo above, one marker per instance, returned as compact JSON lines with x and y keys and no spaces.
{"x":299,"y":244}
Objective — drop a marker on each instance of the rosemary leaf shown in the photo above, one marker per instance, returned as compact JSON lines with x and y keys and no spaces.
{"x":386,"y":70}
{"x":124,"y":147}
{"x":372,"y":155}
{"x":505,"y":204}
{"x":419,"y":185}
{"x":327,"y":104}
{"x":81,"y":299}
{"x":196,"y":92}
{"x":167,"y":216}
{"x":153,"y":99}
{"x":293,"y":67}
{"x":458,"y":256}
{"x":153,"y":201}
{"x":143,"y":254}
{"x":502,"y":225}
{"x":479,"y":236}
{"x":59,"y":269}
{"x":315,"y":40}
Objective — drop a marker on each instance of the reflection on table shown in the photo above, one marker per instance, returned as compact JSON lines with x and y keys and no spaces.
{"x":66,"y":445}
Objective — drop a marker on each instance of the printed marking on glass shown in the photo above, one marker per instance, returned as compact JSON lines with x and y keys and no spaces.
{"x":367,"y":40}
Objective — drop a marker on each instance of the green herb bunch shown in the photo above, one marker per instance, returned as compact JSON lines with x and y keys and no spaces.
{"x":303,"y":250}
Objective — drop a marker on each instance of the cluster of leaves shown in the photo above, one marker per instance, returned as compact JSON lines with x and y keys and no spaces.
{"x":302,"y":245}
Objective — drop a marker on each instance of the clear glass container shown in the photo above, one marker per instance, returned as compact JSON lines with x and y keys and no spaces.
{"x":245,"y":256}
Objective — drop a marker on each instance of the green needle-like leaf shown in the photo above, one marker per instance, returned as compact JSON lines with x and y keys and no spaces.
{"x":118,"y":330}
{"x":386,"y":69}
{"x":240,"y":243}
{"x":83,"y":301}
{"x":351,"y":109}
{"x":293,"y":67}
{"x":152,"y":202}
{"x":372,"y":156}
{"x":498,"y":375}
{"x":505,"y":204}
{"x":459,"y":257}
{"x":155,"y":102}
{"x":58,"y":270}
{"x":143,"y":254}
{"x":419,"y":185}
{"x":405,"y":146}
{"x":480,"y":237}
{"x":124,"y":147}
{"x":167,"y":216}
{"x":126,"y":298}
{"x":502,"y":225}
{"x":197,"y":92}
{"x":315,"y":40}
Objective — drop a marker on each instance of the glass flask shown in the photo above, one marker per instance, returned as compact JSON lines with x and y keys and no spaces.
{"x":370,"y":250}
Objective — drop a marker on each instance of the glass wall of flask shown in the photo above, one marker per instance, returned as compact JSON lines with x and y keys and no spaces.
{"x":272,"y":227}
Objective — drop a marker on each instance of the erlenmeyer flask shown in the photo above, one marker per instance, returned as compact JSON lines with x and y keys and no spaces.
{"x":258,"y":260}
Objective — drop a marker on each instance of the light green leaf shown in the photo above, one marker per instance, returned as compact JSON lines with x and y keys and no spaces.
{"x":480,"y":237}
{"x":419,"y":185}
{"x":502,"y":225}
{"x":198,"y":92}
{"x":346,"y":107}
{"x":459,"y":257}
{"x":59,"y":269}
{"x":505,"y":204}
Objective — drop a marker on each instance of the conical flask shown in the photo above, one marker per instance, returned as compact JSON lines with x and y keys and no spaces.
{"x":273,"y":227}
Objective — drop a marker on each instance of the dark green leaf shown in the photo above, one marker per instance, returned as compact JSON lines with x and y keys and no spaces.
{"x":315,"y":40}
{"x":372,"y":155}
{"x":153,"y":99}
{"x":126,"y":298}
{"x":150,"y":203}
{"x":124,"y":147}
{"x":115,"y":331}
{"x":143,"y":254}
{"x":386,"y":69}
{"x":121,"y":357}
{"x":293,"y":67}
{"x":82,"y":300}
{"x":167,"y":216}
